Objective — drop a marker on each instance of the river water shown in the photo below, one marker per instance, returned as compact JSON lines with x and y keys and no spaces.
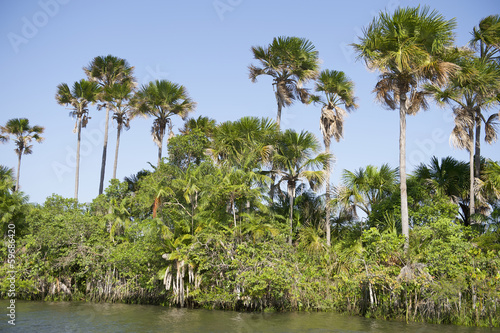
{"x":41,"y":317}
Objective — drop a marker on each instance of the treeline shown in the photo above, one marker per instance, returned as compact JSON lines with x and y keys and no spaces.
{"x":202,"y":230}
{"x":242,"y":215}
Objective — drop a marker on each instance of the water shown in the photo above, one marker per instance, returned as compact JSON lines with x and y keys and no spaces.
{"x":42,"y":317}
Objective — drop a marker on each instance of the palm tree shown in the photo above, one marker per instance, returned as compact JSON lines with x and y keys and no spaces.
{"x":365,"y":187}
{"x":233,"y":142}
{"x":6,"y":173}
{"x":448,"y":177}
{"x":491,"y":176}
{"x":310,"y":206}
{"x":107,"y":71}
{"x":295,"y":162}
{"x":407,"y":48}
{"x":12,"y":203}
{"x":474,"y":87}
{"x":236,"y":184}
{"x":291,"y":62}
{"x":246,"y":144}
{"x":204,"y":124}
{"x":490,"y":191}
{"x":118,"y":98}
{"x":78,"y":97}
{"x":118,"y":217}
{"x":462,"y":137}
{"x":485,"y":40}
{"x":187,"y":182}
{"x":162,"y":99}
{"x":338,"y":90}
{"x":22,"y":131}
{"x":134,"y":179}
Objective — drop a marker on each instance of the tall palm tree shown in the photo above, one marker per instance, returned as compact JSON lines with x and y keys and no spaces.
{"x":486,"y":41}
{"x":295,"y":162}
{"x":107,"y":71}
{"x":118,"y":98}
{"x":24,"y":133}
{"x":291,"y":62}
{"x":407,"y":48}
{"x":462,"y":137}
{"x":162,"y":99}
{"x":473,"y":88}
{"x":78,"y":97}
{"x":338,"y":91}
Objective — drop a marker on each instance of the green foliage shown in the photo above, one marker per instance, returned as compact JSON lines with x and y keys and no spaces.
{"x":187,"y":149}
{"x":204,"y":234}
{"x":422,"y":207}
{"x":13,"y":206}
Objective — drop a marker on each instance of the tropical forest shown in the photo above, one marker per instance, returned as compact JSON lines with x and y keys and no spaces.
{"x":243,"y":215}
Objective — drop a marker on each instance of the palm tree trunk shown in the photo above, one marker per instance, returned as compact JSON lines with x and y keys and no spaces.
{"x":272,"y":188}
{"x":194,"y":207}
{"x":160,"y":146}
{"x":327,"y":198}
{"x":77,"y":175}
{"x":104,"y":151}
{"x":161,"y":134}
{"x":234,"y":210}
{"x":18,"y":170}
{"x":477,"y":156}
{"x":273,"y":176}
{"x":291,"y":194}
{"x":192,"y":218}
{"x":402,"y":167}
{"x":118,"y":131}
{"x":472,"y":207}
{"x":278,"y":117}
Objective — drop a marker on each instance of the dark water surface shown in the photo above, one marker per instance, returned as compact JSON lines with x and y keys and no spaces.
{"x":56,"y":317}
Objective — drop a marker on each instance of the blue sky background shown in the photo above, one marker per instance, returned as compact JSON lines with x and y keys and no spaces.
{"x":205,"y":46}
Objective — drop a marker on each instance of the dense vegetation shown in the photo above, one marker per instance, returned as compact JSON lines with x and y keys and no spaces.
{"x":234,"y":217}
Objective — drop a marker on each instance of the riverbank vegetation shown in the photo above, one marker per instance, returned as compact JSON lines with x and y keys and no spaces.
{"x":202,"y":234}
{"x":236,"y":217}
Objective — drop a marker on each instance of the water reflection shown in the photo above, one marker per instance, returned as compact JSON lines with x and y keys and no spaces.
{"x":87,"y":317}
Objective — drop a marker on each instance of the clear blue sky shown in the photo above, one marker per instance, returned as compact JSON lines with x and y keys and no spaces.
{"x":205,"y":46}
